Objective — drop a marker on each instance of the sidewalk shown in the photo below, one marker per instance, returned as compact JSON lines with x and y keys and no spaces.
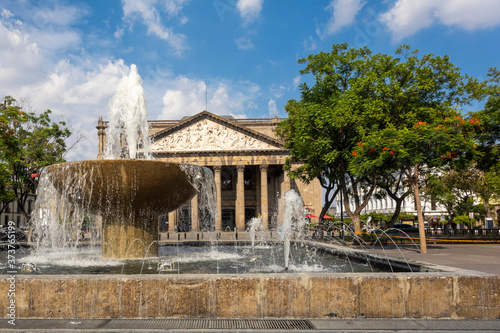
{"x":358,"y":325}
{"x":477,"y":257}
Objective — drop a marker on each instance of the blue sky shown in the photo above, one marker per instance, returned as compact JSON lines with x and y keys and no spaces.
{"x":69,"y":56}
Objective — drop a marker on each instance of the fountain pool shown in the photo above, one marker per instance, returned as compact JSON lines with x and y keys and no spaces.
{"x":201,"y":258}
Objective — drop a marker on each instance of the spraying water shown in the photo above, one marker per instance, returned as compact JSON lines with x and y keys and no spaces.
{"x":292,"y":216}
{"x":256,"y":225}
{"x":128,"y":120}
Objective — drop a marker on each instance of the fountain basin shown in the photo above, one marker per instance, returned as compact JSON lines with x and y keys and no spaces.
{"x":128,"y":194}
{"x":355,"y":295}
{"x":434,"y":292}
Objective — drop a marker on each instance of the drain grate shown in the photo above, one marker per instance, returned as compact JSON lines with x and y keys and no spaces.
{"x":257,"y":324}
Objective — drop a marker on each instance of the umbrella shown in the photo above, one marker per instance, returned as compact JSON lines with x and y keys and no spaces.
{"x":327,"y":217}
{"x":310,"y":215}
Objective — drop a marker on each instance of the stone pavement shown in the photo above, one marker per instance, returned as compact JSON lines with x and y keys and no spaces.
{"x":251,"y":325}
{"x":477,"y":257}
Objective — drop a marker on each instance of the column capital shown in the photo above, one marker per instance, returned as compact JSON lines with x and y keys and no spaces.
{"x":217,"y":168}
{"x":264,"y":167}
{"x":240,"y":168}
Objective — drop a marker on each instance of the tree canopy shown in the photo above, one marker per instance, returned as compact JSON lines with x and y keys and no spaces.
{"x":368,"y":116}
{"x":28,"y":143}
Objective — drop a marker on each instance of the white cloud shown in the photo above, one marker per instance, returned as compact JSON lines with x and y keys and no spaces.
{"x":119,"y":33}
{"x":77,"y":91}
{"x":343,"y":15}
{"x":6,"y":13}
{"x":173,"y":7}
{"x":186,"y":97}
{"x":310,"y":44}
{"x":146,"y":12}
{"x":244,"y":43}
{"x":249,"y":9}
{"x":54,"y":41}
{"x":407,"y":17}
{"x":20,"y":57}
{"x":79,"y":94}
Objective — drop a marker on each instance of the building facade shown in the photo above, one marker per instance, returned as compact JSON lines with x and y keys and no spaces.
{"x":12,"y":212}
{"x":246,"y":159}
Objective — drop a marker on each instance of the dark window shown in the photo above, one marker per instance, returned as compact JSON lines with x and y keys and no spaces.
{"x":248,"y":179}
{"x":249,"y":214}
{"x":227,"y":219}
{"x":227,"y":177}
{"x":164,"y":223}
{"x":185,"y":217}
{"x":18,"y":221}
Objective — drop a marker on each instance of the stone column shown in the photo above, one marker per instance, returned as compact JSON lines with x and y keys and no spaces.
{"x":172,"y":220}
{"x":258,"y":204}
{"x":240,"y":198}
{"x":264,"y":202}
{"x":101,"y":138}
{"x":195,"y":221}
{"x":218,"y":218}
{"x":286,"y":182}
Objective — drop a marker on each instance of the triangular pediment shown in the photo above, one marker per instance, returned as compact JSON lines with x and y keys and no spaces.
{"x":208,"y":132}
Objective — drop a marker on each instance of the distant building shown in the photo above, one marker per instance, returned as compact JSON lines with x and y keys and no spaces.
{"x":12,"y":212}
{"x":432,"y":212}
{"x":246,"y":158}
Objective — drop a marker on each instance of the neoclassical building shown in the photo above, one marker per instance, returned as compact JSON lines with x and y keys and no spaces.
{"x":246,"y":159}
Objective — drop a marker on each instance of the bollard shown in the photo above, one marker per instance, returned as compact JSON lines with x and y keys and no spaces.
{"x":197,"y":237}
{"x":178,"y":237}
{"x":168,"y":235}
{"x":236,"y":235}
{"x":185,"y":235}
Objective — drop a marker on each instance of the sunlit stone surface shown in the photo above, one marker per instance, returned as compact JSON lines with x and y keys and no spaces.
{"x":129,"y":195}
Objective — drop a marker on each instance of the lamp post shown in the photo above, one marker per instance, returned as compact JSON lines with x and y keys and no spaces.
{"x":341,"y":216}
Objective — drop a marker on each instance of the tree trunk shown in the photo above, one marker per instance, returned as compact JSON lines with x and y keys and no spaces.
{"x":421,"y":227}
{"x":396,"y":213}
{"x":487,"y":206}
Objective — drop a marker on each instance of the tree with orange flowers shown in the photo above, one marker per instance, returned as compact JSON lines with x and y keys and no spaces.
{"x":368,"y":116}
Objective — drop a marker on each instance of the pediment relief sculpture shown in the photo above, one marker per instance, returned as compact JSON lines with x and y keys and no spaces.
{"x":209,"y":135}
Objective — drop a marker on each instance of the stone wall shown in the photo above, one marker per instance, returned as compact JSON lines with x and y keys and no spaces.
{"x":377,"y":295}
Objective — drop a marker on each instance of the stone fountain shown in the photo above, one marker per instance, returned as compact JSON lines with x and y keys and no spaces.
{"x":129,"y":195}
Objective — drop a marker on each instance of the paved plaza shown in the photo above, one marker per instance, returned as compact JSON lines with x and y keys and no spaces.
{"x":477,"y":257}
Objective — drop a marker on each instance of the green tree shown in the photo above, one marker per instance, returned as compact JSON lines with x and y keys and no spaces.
{"x":454,"y":189}
{"x":28,"y":143}
{"x":488,"y":163}
{"x":358,"y":96}
{"x":321,"y":128}
{"x":489,"y":135}
{"x":396,"y":187}
{"x":414,"y":102}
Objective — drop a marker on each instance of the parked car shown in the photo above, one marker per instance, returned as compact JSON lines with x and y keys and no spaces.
{"x":407,"y":228}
